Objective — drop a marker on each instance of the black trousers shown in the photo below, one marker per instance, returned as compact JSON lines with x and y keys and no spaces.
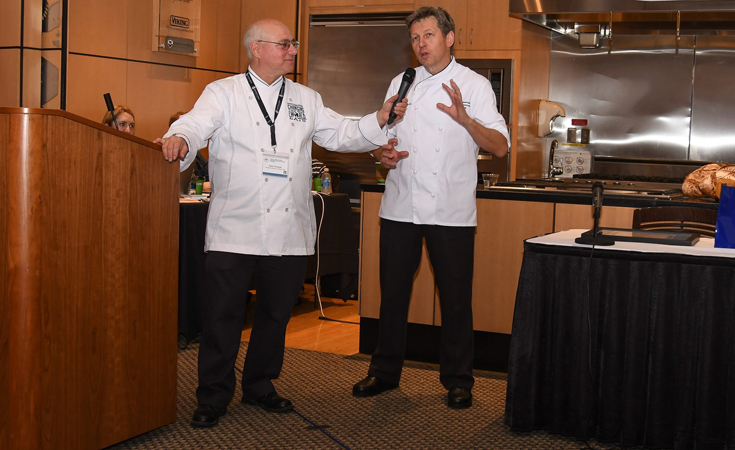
{"x":451,"y":252}
{"x":279,"y":280}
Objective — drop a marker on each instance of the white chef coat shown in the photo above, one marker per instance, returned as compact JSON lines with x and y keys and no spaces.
{"x":436,"y":184}
{"x":252,"y":212}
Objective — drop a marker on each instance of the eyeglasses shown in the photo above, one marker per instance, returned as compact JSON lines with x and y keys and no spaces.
{"x":285,"y":44}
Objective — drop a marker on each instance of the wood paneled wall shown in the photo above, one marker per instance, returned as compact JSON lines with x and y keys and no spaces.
{"x":9,"y":76}
{"x":110,"y":49}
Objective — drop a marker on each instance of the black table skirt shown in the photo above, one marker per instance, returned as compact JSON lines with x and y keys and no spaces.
{"x":643,"y":356}
{"x":192,"y":223}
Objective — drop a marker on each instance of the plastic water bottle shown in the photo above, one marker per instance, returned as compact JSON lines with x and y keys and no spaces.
{"x":326,"y":182}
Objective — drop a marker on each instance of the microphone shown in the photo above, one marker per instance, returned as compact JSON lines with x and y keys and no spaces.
{"x":597,"y":189}
{"x":408,"y":77}
{"x":595,"y":235}
{"x":111,"y":108}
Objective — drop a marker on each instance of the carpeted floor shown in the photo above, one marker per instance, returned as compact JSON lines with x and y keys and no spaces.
{"x":326,"y":415}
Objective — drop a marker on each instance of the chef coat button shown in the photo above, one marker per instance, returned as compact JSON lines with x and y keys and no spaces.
{"x":434,"y":172}
{"x":416,"y":107}
{"x":266,"y":180}
{"x":251,"y":97}
{"x":415,"y":171}
{"x":415,"y":128}
{"x":262,"y":150}
{"x":290,"y":179}
{"x":291,"y":150}
{"x":257,"y":123}
{"x":415,"y":150}
{"x":286,"y":209}
{"x":268,"y":210}
{"x":433,"y":195}
{"x":290,"y":99}
{"x":440,"y":128}
{"x":293,"y":124}
{"x":436,"y":149}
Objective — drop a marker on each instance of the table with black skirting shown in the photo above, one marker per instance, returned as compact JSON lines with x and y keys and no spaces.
{"x":633,"y":344}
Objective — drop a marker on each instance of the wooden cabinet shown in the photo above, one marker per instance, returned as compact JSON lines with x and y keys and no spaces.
{"x":406,"y":5}
{"x":422,"y":297}
{"x":502,"y":227}
{"x":481,"y":24}
{"x":570,"y":217}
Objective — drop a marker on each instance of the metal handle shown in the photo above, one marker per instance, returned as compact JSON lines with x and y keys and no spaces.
{"x":471,"y":31}
{"x":459,"y":36}
{"x":554,"y":170}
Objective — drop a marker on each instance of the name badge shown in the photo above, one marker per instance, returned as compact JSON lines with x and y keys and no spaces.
{"x":275,"y":164}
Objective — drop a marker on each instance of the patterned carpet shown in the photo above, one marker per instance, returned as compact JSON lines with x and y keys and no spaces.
{"x":326,"y":415}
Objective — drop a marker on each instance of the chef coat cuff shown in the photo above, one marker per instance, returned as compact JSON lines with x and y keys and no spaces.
{"x":186,"y":161}
{"x":371,"y":130}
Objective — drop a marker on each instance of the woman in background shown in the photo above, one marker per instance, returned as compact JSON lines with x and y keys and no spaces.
{"x":125,"y":119}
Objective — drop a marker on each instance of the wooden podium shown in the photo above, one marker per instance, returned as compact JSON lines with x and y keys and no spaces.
{"x":88,"y":283}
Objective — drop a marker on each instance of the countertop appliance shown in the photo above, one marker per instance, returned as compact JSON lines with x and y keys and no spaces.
{"x":642,"y":186}
{"x":622,"y":176}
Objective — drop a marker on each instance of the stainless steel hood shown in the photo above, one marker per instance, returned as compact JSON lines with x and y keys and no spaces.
{"x":630,"y":16}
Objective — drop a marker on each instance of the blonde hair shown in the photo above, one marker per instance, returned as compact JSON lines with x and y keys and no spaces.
{"x":119,"y":109}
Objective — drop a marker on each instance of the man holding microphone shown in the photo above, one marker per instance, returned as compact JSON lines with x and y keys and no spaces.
{"x":430,"y":194}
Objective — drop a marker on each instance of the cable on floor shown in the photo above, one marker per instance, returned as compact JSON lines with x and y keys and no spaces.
{"x":317,"y":281}
{"x":310,"y":422}
{"x":326,"y":433}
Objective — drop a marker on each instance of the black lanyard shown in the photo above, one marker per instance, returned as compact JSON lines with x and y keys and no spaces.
{"x":271,"y":123}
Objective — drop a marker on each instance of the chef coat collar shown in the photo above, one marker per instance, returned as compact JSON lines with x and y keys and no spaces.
{"x":426,"y":75}
{"x":256,"y":77}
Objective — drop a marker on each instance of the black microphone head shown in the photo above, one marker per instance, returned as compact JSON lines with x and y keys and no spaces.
{"x":409,"y":75}
{"x":108,"y":102}
{"x":597,"y":189}
{"x":406,"y":83}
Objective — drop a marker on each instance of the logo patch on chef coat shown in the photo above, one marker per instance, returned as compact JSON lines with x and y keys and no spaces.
{"x":296,"y":112}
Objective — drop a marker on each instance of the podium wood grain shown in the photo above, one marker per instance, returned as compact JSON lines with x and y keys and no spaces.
{"x":88,"y":317}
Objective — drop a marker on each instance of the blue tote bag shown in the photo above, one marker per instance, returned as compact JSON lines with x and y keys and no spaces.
{"x":725,"y":232}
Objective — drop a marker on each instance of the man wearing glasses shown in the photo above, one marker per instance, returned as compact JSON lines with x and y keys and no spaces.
{"x":260,"y":126}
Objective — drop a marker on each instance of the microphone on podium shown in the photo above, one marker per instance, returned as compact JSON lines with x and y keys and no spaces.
{"x":408,"y":77}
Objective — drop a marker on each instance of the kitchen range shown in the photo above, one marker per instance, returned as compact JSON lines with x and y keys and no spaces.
{"x":652,"y":178}
{"x":663,"y":188}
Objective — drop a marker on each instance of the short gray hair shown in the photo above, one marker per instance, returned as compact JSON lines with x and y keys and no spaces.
{"x":254,"y":33}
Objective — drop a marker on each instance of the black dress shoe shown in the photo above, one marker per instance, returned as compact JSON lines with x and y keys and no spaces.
{"x":459,"y":398}
{"x":371,"y":386}
{"x":271,"y":402}
{"x":207,"y":416}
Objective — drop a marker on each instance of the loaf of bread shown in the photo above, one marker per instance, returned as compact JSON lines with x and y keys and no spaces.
{"x":701,"y":182}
